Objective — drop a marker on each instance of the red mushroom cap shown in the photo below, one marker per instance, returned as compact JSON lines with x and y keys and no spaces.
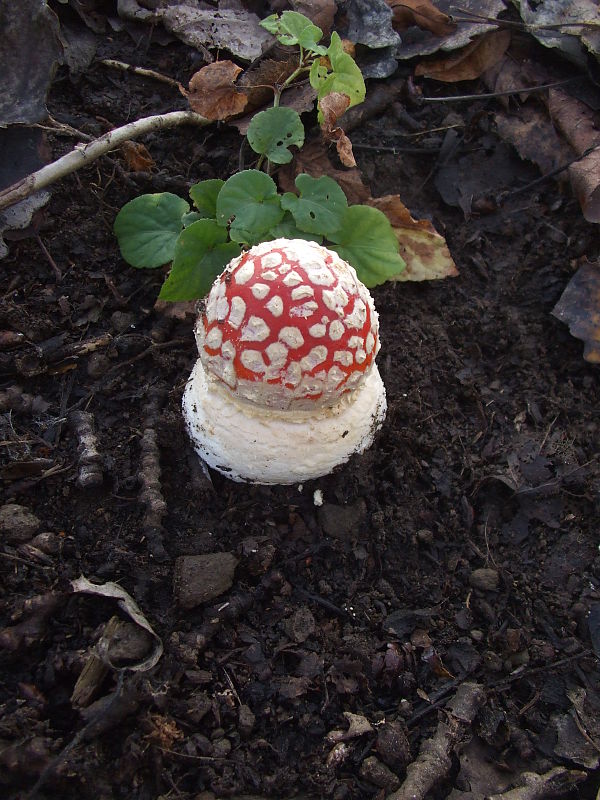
{"x":288,"y":325}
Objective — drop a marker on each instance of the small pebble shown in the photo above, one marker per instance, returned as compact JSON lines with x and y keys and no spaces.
{"x":17,"y":523}
{"x":246,"y":720}
{"x":199,"y":579}
{"x":485,"y":579}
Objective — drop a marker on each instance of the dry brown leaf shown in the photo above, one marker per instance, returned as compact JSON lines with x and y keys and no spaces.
{"x":510,"y":75}
{"x":470,"y":62}
{"x":579,"y":308}
{"x":137,"y":157}
{"x":258,"y":82}
{"x":421,"y":13}
{"x":314,"y":160}
{"x":333,"y":107}
{"x":534,"y":137}
{"x":421,"y":246}
{"x":320,"y":12}
{"x":212,"y":92}
{"x":576,"y":121}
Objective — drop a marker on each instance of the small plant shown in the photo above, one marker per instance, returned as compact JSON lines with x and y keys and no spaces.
{"x":229,"y":216}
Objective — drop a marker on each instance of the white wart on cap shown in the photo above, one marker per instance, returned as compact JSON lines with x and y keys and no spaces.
{"x":286,"y":386}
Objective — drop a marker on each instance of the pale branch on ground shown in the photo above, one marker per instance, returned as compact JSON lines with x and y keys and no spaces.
{"x":434,"y":761}
{"x":84,"y":154}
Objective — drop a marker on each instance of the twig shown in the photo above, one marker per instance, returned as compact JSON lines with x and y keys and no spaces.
{"x":51,"y":261}
{"x":476,"y":19}
{"x":144,"y":73}
{"x":507,"y":93}
{"x":83,"y":155}
{"x":548,"y":175}
{"x":434,"y":761}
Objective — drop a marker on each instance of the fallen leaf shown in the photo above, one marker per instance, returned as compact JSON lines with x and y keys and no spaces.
{"x":126,"y":602}
{"x":369,"y":22}
{"x":577,"y":123}
{"x":573,"y":40}
{"x":421,"y":13}
{"x":333,"y":107}
{"x":579,"y":308}
{"x":30,"y":51}
{"x":258,"y":82}
{"x":320,"y":12}
{"x":137,"y":157}
{"x":314,"y":160}
{"x":417,"y":42}
{"x":512,"y":75}
{"x":421,"y":246}
{"x":471,"y":62}
{"x":534,"y":137}
{"x":228,"y":26}
{"x":212,"y":92}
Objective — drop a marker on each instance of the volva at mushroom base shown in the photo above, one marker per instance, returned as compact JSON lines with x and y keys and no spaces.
{"x":286,"y":386}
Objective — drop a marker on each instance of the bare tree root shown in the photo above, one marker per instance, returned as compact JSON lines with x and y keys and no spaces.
{"x":84,"y":154}
{"x":150,"y":491}
{"x":89,"y":459}
{"x":434,"y":761}
{"x":555,"y":783}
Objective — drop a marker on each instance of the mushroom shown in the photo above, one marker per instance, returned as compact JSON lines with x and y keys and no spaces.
{"x":286,"y":386}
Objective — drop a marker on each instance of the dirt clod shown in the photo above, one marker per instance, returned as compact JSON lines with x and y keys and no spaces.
{"x":17,"y":523}
{"x":199,"y":579}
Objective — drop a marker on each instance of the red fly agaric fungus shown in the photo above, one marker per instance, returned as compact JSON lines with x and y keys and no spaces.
{"x":286,"y":386}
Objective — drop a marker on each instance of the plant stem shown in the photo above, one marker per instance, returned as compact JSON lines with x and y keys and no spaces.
{"x":84,"y":154}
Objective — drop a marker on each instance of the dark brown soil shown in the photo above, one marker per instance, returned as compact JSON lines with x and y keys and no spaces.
{"x":461,"y":548}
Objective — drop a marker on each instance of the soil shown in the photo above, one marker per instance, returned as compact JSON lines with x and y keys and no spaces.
{"x":459,"y":554}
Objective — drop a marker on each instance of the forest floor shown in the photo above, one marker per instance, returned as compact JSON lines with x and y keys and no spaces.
{"x":440,"y":595}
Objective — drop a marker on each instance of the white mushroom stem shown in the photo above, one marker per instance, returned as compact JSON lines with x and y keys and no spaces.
{"x":279,"y":447}
{"x":84,"y":154}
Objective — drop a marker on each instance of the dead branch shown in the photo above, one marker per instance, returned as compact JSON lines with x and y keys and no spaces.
{"x":555,"y":783}
{"x":434,"y":761}
{"x":84,"y":154}
{"x":89,"y":459}
{"x":150,"y":491}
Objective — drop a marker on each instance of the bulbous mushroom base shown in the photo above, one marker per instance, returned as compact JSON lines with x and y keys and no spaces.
{"x":279,"y":447}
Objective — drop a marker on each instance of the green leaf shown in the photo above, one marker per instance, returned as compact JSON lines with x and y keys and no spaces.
{"x":294,"y":28}
{"x":367,"y":242}
{"x":273,"y":131}
{"x":204,"y":196}
{"x":320,"y":207}
{"x":344,"y":75}
{"x":250,"y":204}
{"x":147,"y":228}
{"x":271,"y":24}
{"x":287,"y":229}
{"x":189,"y":217}
{"x":201,"y":253}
